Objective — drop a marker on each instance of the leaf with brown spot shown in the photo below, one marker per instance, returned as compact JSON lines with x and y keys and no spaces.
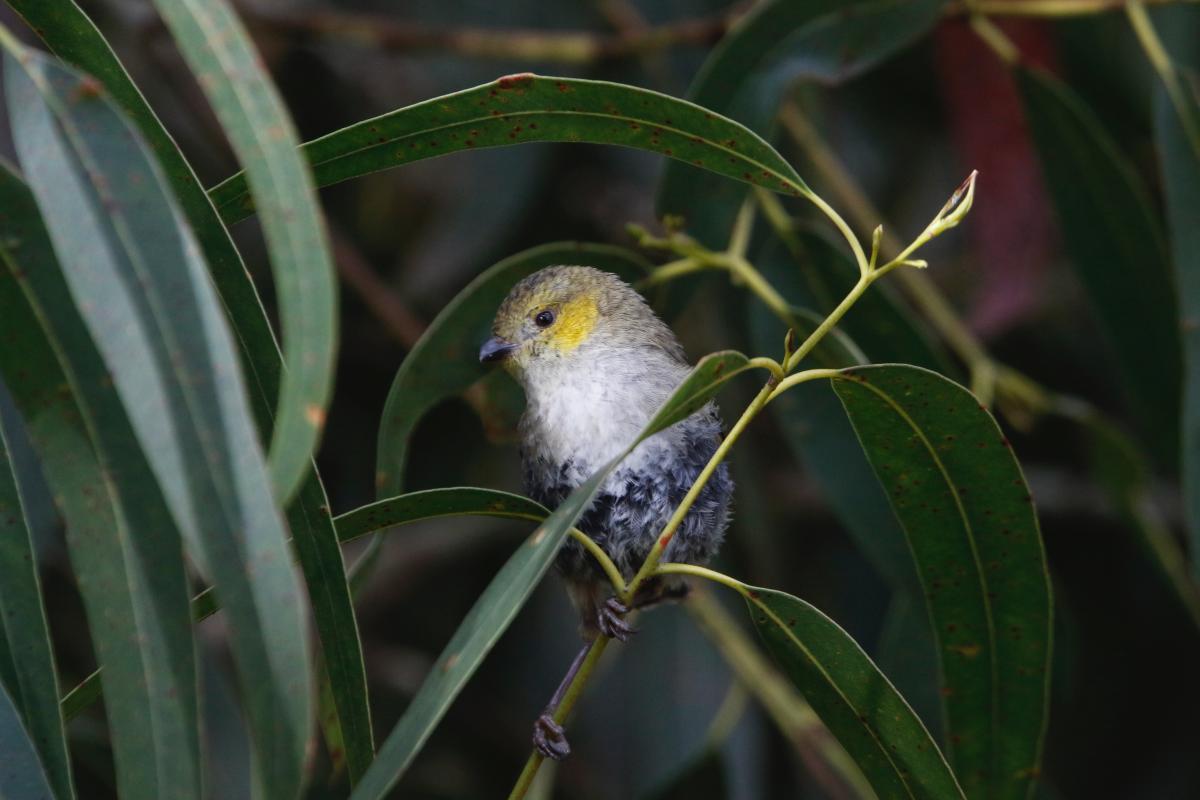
{"x":980,"y":579}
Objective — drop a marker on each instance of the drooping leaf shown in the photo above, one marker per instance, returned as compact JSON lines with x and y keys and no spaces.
{"x":72,"y":36}
{"x":508,"y":591}
{"x":908,"y":656}
{"x":1117,"y":248}
{"x":161,"y":332}
{"x":445,"y":361}
{"x":968,"y":516}
{"x":1180,"y":167}
{"x":125,"y":550}
{"x":229,"y":70}
{"x":518,"y":109}
{"x":22,"y":774}
{"x":27,"y":668}
{"x":854,"y":699}
{"x":433,"y":503}
{"x":747,"y":73}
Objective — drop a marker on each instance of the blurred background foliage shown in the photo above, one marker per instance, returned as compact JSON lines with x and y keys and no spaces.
{"x":1125,"y":700}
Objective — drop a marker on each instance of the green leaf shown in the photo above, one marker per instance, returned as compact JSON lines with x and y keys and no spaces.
{"x":707,"y":378}
{"x":908,"y":656}
{"x":968,"y":515}
{"x":69,"y":33}
{"x":220,"y":53}
{"x":72,"y":36}
{"x":1180,"y":168}
{"x":444,"y":363}
{"x":344,"y":675}
{"x":853,"y":698}
{"x":163,"y":335}
{"x":529,"y":108}
{"x":1117,"y":249}
{"x":508,"y":591}
{"x":432,"y":503}
{"x":27,"y":669}
{"x":125,"y":550}
{"x":746,"y":75}
{"x":22,"y":775}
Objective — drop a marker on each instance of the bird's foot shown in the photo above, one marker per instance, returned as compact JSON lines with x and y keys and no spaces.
{"x":610,"y":620}
{"x":549,"y":739}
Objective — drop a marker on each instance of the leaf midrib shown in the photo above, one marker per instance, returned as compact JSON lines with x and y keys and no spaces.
{"x":994,"y":745}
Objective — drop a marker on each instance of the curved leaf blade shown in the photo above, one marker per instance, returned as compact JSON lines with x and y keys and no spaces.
{"x":1180,"y":167}
{"x":854,"y":699}
{"x":747,"y":73}
{"x":523,"y":108}
{"x":220,"y":53}
{"x":433,"y":503}
{"x":70,"y":34}
{"x":958,"y":491}
{"x":27,"y":668}
{"x":1115,"y":242}
{"x":22,"y":774}
{"x":162,"y":334}
{"x":125,"y":550}
{"x":444,"y":363}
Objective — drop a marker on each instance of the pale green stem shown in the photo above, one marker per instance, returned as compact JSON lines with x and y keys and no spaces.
{"x":743,"y":226}
{"x":675,"y":269}
{"x":996,"y":39}
{"x":1047,"y":8}
{"x":525,"y":779}
{"x":610,"y":569}
{"x":828,"y":324}
{"x":803,"y":377}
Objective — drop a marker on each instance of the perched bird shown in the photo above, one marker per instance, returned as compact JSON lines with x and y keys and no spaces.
{"x":596,"y":363}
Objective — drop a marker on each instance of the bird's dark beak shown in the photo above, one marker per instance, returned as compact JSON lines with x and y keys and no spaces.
{"x":495,"y":349}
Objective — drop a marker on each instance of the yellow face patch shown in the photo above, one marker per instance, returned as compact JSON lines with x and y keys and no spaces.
{"x":576,"y":319}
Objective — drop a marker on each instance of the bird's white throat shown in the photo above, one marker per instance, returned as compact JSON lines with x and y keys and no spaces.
{"x":586,"y":408}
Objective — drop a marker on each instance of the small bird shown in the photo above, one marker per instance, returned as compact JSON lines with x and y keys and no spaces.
{"x":596,"y":363}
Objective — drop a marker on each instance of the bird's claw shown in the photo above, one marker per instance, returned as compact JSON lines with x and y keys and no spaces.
{"x":549,"y":739}
{"x":610,"y":619}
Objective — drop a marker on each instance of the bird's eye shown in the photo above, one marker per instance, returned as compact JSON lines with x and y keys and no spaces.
{"x":544,"y":319}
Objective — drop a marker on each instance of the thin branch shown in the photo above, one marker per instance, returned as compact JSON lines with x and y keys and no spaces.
{"x":570,"y":47}
{"x":1045,"y":8}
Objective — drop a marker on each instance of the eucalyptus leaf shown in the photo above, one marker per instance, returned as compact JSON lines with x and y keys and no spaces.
{"x":523,"y":108}
{"x":1117,"y":248}
{"x":125,"y":550}
{"x":1180,"y":168}
{"x":22,"y":775}
{"x":27,"y":668}
{"x":163,"y":335}
{"x":72,"y":36}
{"x":966,"y":510}
{"x":854,"y":699}
{"x":253,"y":117}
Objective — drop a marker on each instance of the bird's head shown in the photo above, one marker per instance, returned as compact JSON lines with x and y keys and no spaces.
{"x":560,"y":315}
